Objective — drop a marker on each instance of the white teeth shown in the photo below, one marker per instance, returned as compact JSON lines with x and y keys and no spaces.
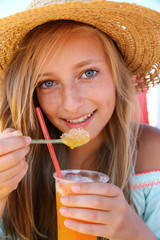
{"x":80,"y":119}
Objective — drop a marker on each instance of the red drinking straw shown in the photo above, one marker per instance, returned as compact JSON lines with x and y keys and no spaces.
{"x":49,"y":145}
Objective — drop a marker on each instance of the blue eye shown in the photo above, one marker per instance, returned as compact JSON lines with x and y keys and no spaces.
{"x":47,"y":84}
{"x":89,"y":73}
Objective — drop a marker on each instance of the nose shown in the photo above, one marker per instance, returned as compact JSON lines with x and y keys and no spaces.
{"x":72,"y":99}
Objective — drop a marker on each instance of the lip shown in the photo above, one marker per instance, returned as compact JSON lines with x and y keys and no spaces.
{"x":78,"y":125}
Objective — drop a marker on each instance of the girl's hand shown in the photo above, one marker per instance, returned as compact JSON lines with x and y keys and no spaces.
{"x":13,"y":149}
{"x":105,"y":207}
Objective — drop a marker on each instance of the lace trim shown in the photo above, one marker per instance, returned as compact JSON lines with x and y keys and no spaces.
{"x":145,"y":179}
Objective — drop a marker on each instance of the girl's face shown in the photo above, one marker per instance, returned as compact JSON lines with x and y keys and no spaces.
{"x":75,"y":87}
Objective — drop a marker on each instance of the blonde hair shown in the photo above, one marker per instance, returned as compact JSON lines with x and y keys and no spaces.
{"x":35,"y":215}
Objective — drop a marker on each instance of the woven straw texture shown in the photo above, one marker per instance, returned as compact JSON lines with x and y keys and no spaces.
{"x":135,"y":29}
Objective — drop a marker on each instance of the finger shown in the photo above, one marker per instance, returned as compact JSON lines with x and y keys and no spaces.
{"x":88,"y":215}
{"x":10,"y":132}
{"x":11,"y":144}
{"x":12,"y":183}
{"x":11,"y":159}
{"x":90,"y":201}
{"x":87,"y":228}
{"x":11,"y":172}
{"x":7,"y":130}
{"x":103,"y":189}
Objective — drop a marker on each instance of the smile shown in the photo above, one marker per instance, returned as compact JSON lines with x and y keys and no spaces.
{"x":81,"y":119}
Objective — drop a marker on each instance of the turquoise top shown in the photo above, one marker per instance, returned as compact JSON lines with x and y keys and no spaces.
{"x":146,"y":197}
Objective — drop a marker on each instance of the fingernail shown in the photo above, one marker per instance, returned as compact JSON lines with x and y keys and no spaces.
{"x":63,"y":210}
{"x":68,"y":223}
{"x":76,"y":188}
{"x":64,"y":199}
{"x":27,"y":139}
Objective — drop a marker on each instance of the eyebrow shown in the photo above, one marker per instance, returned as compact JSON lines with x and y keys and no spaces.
{"x":87,"y":62}
{"x":44,"y":74}
{"x":78,"y":65}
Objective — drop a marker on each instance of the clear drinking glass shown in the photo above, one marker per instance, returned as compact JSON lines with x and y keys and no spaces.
{"x":63,"y":187}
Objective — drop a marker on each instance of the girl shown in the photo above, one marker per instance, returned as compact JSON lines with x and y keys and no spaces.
{"x":80,"y":76}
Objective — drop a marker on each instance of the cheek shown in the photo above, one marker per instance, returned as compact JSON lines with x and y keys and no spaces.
{"x":50,"y":112}
{"x":110,"y":98}
{"x":47,"y":104}
{"x":108,"y":101}
{"x":107,"y":95}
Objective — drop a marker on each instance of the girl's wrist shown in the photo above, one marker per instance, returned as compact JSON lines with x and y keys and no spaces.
{"x":145,"y":233}
{"x":141,"y":231}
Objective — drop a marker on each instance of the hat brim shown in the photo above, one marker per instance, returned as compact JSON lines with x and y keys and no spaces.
{"x":135,"y":29}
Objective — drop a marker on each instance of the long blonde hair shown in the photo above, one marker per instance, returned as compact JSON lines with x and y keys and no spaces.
{"x":30,"y":211}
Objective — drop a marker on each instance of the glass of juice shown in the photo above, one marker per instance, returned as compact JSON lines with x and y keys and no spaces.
{"x":63,"y":187}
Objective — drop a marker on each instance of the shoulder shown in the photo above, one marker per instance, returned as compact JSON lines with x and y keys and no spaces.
{"x":148,"y":158}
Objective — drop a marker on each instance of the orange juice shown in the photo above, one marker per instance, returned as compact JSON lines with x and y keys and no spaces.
{"x":63,"y":187}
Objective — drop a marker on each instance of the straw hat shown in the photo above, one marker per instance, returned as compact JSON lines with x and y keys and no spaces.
{"x":135,"y":29}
